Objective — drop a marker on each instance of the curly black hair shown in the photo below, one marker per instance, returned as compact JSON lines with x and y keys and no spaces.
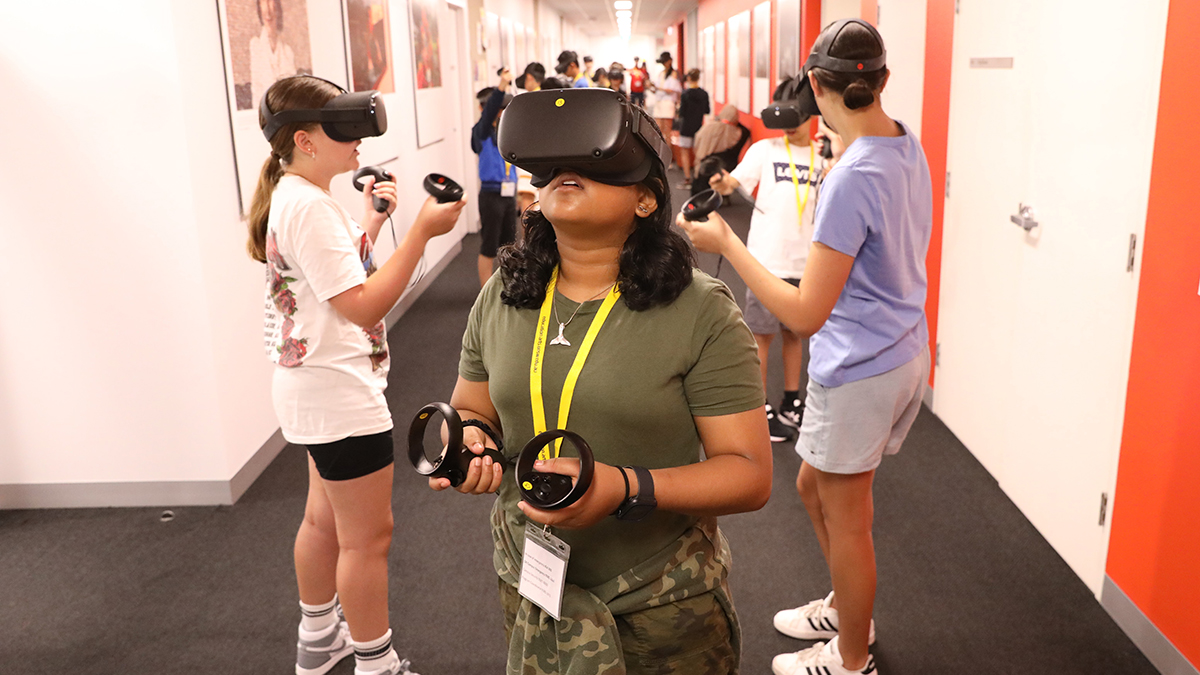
{"x":655,"y":266}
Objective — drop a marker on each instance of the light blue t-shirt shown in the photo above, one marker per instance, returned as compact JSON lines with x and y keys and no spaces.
{"x":876,"y":205}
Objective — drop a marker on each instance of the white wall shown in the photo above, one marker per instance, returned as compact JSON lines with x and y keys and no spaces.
{"x":130,"y":345}
{"x":615,"y":48}
{"x":902,"y":25}
{"x":832,"y":10}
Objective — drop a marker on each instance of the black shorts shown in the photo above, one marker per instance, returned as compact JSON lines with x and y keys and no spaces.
{"x":353,"y":457}
{"x":497,"y":222}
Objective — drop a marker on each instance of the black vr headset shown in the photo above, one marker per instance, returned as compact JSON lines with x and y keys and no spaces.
{"x":348,"y":117}
{"x":798,"y":102}
{"x":595,"y":132}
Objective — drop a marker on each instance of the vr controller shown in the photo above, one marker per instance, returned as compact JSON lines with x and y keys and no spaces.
{"x":553,"y":491}
{"x":698,"y":207}
{"x":455,"y":459}
{"x":380,"y":174}
{"x":441,"y":188}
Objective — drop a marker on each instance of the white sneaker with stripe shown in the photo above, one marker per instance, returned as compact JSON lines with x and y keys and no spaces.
{"x":822,"y":658}
{"x":817,"y":620}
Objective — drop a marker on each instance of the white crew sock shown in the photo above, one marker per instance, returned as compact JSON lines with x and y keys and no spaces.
{"x":315,"y":618}
{"x":374,"y":655}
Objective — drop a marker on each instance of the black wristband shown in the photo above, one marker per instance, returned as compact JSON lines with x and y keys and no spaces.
{"x":625,"y":476}
{"x":487,"y":429}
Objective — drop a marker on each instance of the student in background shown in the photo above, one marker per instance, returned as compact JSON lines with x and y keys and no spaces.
{"x":666,"y":88}
{"x":588,"y":69}
{"x":693,"y":106}
{"x":784,"y":170}
{"x":531,"y":78}
{"x":326,"y":302}
{"x":497,"y":179}
{"x":616,"y":80}
{"x":637,"y":83}
{"x":568,"y":68}
{"x":862,"y":300}
{"x":600,"y":78}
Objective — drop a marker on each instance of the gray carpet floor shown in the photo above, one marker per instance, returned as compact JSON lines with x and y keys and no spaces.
{"x":966,"y":584}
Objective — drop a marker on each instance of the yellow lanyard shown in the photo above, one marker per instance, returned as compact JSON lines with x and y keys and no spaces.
{"x":507,"y":171}
{"x":796,"y":180}
{"x":539,"y":355}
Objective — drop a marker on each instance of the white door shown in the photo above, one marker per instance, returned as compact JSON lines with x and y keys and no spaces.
{"x":1052,"y":106}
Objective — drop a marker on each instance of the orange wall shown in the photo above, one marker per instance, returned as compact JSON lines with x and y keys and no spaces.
{"x":935,"y":129}
{"x":1154,"y":552}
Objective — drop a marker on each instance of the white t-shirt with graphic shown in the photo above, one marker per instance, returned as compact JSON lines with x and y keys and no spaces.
{"x":330,"y":373}
{"x":780,"y":236}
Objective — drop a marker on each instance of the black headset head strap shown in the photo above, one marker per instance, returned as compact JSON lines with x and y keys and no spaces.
{"x":820,"y":57}
{"x":273,"y":121}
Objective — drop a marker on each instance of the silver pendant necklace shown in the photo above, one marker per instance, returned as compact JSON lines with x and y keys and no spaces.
{"x":562,"y":325}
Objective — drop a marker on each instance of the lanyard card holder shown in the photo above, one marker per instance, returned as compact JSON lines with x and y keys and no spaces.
{"x":544,"y":569}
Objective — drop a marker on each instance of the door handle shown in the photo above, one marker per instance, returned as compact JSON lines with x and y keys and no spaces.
{"x":1025,"y":218}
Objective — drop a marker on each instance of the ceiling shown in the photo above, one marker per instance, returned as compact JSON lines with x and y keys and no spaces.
{"x":596,"y":17}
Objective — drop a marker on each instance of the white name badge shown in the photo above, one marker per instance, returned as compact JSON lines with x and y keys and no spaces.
{"x":508,"y":189}
{"x":544,"y":570}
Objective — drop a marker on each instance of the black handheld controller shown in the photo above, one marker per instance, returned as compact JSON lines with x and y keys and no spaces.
{"x":443,"y":189}
{"x":552,"y":491}
{"x":380,"y":174}
{"x":826,"y":148}
{"x":698,"y":207}
{"x":456,"y":457}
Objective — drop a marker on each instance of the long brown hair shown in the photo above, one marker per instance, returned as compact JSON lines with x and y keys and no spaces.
{"x":286,"y":94}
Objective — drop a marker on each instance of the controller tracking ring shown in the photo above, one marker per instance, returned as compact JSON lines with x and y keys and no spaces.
{"x":552,"y":491}
{"x":451,"y":464}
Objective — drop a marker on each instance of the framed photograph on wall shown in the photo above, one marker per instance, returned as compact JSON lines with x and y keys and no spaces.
{"x":495,"y":57}
{"x":787,"y":37}
{"x":741,"y":65}
{"x":262,"y":41}
{"x":369,"y":41}
{"x":762,"y":57}
{"x":707,"y":60}
{"x":428,"y":93}
{"x":719,"y":65}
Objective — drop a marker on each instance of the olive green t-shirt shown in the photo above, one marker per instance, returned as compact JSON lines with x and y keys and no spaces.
{"x":647,"y":375}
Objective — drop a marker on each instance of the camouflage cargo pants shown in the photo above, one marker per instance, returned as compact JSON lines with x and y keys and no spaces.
{"x":691,"y":637}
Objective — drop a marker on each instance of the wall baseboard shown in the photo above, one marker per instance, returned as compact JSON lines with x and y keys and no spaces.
{"x":182,"y":493}
{"x":1158,"y":649}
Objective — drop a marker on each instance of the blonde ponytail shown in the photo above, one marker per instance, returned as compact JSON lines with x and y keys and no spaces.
{"x":260,"y":207}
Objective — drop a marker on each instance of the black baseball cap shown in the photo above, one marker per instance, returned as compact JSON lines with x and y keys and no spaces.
{"x":664,"y":57}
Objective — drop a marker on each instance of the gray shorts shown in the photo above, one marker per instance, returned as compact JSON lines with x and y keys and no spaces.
{"x":760,"y":319}
{"x":848,"y":429}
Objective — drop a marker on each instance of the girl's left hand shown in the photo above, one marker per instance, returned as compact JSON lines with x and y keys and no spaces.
{"x":709,"y":236}
{"x":602,"y":498}
{"x":385,"y":189}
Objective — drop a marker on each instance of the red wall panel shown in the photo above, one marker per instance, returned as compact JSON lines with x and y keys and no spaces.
{"x":1154,"y":552}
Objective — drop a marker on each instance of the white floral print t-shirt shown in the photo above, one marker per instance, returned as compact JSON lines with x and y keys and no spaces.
{"x":330,"y":373}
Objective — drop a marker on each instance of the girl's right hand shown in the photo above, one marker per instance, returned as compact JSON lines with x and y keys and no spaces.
{"x":436,"y":219}
{"x":484,"y":475}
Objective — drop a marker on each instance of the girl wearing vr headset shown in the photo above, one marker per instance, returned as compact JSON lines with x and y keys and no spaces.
{"x":862,"y":300}
{"x":671,"y":366}
{"x":330,"y":348}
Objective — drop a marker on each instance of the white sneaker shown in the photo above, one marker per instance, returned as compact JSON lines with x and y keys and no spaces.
{"x":815,"y":621}
{"x":317,"y":652}
{"x":395,"y":666}
{"x":819,"y":659}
